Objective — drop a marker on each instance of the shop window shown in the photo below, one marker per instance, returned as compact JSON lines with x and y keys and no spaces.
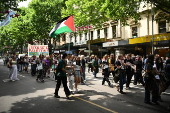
{"x":114,"y":31}
{"x":134,"y":32}
{"x":106,"y":32}
{"x":162,"y":27}
{"x":91,"y":32}
{"x":75,"y":36}
{"x":98,"y":34}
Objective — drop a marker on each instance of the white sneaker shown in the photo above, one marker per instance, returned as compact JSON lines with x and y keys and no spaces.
{"x":76,"y":90}
{"x":17,"y":79}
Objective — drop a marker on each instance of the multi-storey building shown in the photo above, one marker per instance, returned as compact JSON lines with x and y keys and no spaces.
{"x":140,"y":38}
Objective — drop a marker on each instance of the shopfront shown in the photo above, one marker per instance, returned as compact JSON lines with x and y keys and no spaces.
{"x":96,"y":46}
{"x":160,"y":43}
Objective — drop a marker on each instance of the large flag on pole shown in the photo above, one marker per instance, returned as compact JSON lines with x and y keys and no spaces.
{"x":64,"y":25}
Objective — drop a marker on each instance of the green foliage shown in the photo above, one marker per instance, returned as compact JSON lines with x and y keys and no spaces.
{"x":46,"y":14}
{"x":34,"y":23}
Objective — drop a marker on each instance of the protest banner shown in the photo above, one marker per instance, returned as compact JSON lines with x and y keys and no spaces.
{"x":37,"y":50}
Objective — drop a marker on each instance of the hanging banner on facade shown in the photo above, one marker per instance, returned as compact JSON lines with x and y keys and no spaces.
{"x":37,"y":50}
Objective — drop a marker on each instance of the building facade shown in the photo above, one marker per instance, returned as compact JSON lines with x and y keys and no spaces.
{"x":140,"y":38}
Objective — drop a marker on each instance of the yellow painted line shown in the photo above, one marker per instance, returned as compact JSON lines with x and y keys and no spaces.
{"x":95,"y":104}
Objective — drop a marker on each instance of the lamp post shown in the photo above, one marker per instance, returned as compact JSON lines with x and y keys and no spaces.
{"x":69,"y":43}
{"x":89,"y":42}
{"x":152,"y":43}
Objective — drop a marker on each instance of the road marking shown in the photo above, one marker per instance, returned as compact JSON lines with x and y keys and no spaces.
{"x":95,"y":104}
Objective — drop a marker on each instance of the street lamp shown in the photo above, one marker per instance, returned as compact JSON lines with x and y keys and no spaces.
{"x":152,"y":13}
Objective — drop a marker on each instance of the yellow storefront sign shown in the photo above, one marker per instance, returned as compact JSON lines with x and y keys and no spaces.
{"x":100,"y":40}
{"x":144,"y":39}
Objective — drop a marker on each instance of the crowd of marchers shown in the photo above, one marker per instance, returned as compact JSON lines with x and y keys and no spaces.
{"x":151,"y":71}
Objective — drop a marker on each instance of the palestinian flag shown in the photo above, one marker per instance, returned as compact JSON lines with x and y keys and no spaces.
{"x":64,"y":25}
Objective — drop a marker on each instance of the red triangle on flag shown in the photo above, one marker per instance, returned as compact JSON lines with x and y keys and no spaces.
{"x":70,"y":23}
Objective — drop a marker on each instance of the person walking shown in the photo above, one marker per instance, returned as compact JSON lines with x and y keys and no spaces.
{"x":120,"y":73}
{"x":33,"y":65}
{"x":26,"y":64}
{"x":150,"y":82}
{"x":47,"y":66}
{"x":105,"y":71}
{"x":83,"y":67}
{"x":112,"y":64}
{"x":71,"y":76}
{"x":78,"y":71}
{"x":167,"y":71}
{"x":138,"y":71}
{"x":95,"y":66}
{"x":20,"y":63}
{"x":61,"y":77}
{"x":13,"y":69}
{"x":40,"y":70}
{"x":129,"y":70}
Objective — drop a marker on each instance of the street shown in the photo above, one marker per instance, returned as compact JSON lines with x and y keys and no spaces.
{"x":29,"y":96}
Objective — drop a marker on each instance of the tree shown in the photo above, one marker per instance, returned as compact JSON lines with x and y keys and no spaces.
{"x":46,"y":14}
{"x":19,"y":30}
{"x":34,"y":22}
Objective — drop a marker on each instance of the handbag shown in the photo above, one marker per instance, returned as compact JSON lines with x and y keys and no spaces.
{"x":116,"y":78}
{"x":40,"y":66}
{"x":9,"y":66}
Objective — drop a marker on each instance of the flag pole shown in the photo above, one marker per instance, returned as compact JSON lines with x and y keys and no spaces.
{"x":89,"y":43}
{"x":69,"y":42}
{"x":152,"y":12}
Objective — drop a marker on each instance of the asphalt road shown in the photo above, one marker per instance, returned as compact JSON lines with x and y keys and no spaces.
{"x":29,"y":96}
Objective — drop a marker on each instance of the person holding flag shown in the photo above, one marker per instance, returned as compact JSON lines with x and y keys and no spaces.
{"x":64,"y":25}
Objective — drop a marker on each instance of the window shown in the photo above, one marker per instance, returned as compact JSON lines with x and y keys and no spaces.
{"x":80,"y":35}
{"x":162,"y":26}
{"x":64,"y":37}
{"x":98,"y":34}
{"x":75,"y":39}
{"x":91,"y":32}
{"x":85,"y":36}
{"x":105,"y":32}
{"x":75,"y":36}
{"x":71,"y":37}
{"x":134,"y":32}
{"x":114,"y":31}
